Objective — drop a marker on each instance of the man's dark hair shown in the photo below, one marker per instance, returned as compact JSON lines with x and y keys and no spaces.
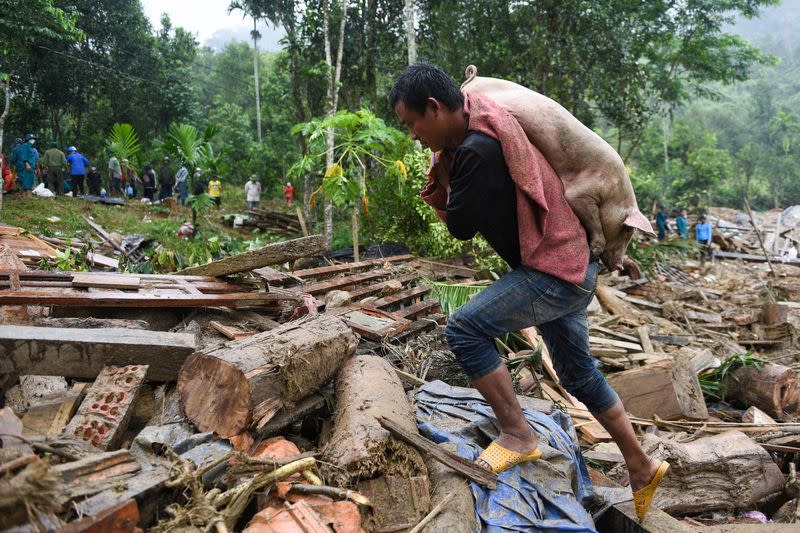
{"x":421,"y":81}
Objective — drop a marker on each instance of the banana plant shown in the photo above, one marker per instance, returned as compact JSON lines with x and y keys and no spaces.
{"x":123,"y":141}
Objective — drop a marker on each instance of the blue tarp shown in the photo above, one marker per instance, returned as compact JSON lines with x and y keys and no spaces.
{"x":544,"y":495}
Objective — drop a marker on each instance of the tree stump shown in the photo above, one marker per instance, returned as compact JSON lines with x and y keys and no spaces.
{"x":772,"y":388}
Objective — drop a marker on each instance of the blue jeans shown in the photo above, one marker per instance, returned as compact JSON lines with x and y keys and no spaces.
{"x":183,"y":192}
{"x":522,"y":298}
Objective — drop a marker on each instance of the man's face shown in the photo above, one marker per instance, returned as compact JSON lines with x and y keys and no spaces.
{"x":431,"y":129}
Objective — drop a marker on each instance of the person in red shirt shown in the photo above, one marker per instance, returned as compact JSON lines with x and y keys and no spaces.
{"x":5,"y":173}
{"x":288,"y":193}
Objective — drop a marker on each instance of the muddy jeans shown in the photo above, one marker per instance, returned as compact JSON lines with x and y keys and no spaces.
{"x":522,"y":298}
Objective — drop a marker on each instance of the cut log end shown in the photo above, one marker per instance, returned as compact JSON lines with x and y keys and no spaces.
{"x":215,"y":395}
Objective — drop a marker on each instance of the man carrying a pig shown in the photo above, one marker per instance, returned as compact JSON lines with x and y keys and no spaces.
{"x":487,"y":178}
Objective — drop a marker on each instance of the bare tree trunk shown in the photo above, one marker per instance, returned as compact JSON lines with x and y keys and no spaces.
{"x":334,"y":75}
{"x":6,"y":86}
{"x":411,"y":32}
{"x":256,"y":36}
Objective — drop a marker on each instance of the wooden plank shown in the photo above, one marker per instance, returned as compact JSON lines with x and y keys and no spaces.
{"x":463,"y":466}
{"x":343,"y":282}
{"x":229,"y":331}
{"x":69,"y":406}
{"x":362,"y":292}
{"x":644,"y":337}
{"x":755,"y":258}
{"x":153,"y":298}
{"x":82,"y":353}
{"x":91,"y":279}
{"x":104,"y":414}
{"x":407,"y":294}
{"x":615,"y":343}
{"x":612,"y":333}
{"x":420,"y":308}
{"x":271,"y":254}
{"x":673,"y":339}
{"x":337,"y":269}
{"x":371,"y":323}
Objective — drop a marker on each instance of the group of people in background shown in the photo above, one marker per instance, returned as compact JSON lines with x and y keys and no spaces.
{"x":73,"y":172}
{"x":703,"y":232}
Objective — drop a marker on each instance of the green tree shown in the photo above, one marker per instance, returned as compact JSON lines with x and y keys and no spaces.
{"x":24,"y":27}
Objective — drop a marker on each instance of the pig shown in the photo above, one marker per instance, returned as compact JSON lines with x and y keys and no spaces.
{"x":596,"y":182}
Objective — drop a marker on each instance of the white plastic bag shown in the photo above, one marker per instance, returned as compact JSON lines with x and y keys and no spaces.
{"x":42,"y":191}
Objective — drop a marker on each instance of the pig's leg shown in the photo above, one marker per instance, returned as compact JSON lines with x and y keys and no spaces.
{"x":585,"y":207}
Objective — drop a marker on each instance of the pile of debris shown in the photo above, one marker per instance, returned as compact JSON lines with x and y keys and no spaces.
{"x":771,"y":236}
{"x":235,"y":396}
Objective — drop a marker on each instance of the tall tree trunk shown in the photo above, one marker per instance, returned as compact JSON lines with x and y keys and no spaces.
{"x":6,"y":86}
{"x":334,"y":75}
{"x":256,"y":36}
{"x":411,"y":32}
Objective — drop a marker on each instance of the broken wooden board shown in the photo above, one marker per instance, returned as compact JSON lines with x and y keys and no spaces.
{"x":371,"y":323}
{"x":96,"y":472}
{"x":104,"y":414}
{"x":399,"y":502}
{"x":174,"y":297}
{"x":271,"y":254}
{"x":82,"y":353}
{"x":26,"y":246}
{"x":121,"y":518}
{"x":68,"y":408}
{"x":107,"y":281}
{"x":668,"y":389}
{"x":320,"y":272}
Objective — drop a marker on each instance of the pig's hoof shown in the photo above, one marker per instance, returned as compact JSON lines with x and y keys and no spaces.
{"x":597,"y":245}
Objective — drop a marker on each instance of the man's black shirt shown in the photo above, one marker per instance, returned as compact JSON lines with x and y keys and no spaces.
{"x":483,"y":196}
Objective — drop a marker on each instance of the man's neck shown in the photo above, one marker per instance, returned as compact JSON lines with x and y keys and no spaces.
{"x":459,"y":125}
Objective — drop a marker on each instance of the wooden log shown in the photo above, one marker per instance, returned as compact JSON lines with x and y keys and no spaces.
{"x":271,"y":254}
{"x":770,"y":387}
{"x":459,"y":513}
{"x":255,"y":377}
{"x":721,"y":472}
{"x":398,"y":502}
{"x":104,"y":414}
{"x":668,"y":389}
{"x":368,"y":388}
{"x":82,"y":353}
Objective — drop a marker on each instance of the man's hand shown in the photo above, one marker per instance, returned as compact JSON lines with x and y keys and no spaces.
{"x":27,"y":166}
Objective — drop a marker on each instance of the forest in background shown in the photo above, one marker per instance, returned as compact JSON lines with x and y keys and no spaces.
{"x":697,"y":96}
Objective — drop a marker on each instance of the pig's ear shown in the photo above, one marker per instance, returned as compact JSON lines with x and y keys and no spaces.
{"x":638,"y":221}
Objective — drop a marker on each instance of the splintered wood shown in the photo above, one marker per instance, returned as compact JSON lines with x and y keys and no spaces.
{"x":104,"y":414}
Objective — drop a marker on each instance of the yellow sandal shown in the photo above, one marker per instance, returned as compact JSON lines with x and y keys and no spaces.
{"x":643,"y":497}
{"x":500,"y":459}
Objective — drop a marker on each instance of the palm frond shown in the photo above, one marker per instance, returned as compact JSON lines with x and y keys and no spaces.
{"x":123,"y":141}
{"x":452,"y":296}
{"x":185,"y":142}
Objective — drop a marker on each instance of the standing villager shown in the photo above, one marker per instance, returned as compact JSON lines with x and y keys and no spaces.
{"x":703,"y":235}
{"x":488,"y":178}
{"x":215,"y":190}
{"x":180,"y":183}
{"x":288,"y":193}
{"x":130,"y":179}
{"x":165,"y":179}
{"x":26,"y":158}
{"x":198,"y":183}
{"x":56,"y":163}
{"x":94,"y":181}
{"x":77,"y":170}
{"x":680,"y":222}
{"x":148,"y":182}
{"x":253,"y":191}
{"x":114,"y":176}
{"x":6,"y":177}
{"x":661,"y":223}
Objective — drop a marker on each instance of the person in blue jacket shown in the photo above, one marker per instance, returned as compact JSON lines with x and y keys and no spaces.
{"x":680,"y":222}
{"x":661,"y":223}
{"x":77,"y":170}
{"x":703,"y":234}
{"x":25,"y":157}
